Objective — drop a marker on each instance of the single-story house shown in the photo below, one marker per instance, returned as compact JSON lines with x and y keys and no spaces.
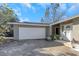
{"x":67,"y":29}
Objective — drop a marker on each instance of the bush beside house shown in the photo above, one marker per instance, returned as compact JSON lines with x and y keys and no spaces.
{"x":6,"y":15}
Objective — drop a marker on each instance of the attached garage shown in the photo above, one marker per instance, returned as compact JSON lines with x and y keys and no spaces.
{"x":30,"y":30}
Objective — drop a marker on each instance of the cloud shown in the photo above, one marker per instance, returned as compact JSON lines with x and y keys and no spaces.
{"x":73,"y":10}
{"x":64,"y":17}
{"x":74,"y":6}
{"x":30,"y":6}
{"x":17,"y":11}
{"x":44,"y":5}
{"x":34,"y":10}
{"x":63,"y":6}
{"x":24,"y":20}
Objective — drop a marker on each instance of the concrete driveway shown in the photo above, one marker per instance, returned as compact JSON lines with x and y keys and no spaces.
{"x":36,"y":48}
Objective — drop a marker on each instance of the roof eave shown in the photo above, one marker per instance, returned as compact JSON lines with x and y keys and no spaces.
{"x":15,"y":23}
{"x":64,"y":20}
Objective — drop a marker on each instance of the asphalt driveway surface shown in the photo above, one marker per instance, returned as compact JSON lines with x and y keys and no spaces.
{"x":36,"y":48}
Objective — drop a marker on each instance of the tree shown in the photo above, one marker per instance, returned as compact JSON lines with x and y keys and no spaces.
{"x":46,"y":16}
{"x":54,"y":13}
{"x":6,"y":15}
{"x":42,"y":20}
{"x":54,"y":7}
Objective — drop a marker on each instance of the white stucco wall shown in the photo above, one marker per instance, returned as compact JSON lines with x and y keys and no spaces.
{"x":66,"y":34}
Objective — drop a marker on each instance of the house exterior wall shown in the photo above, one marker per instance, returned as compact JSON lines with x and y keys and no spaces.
{"x":76,"y":29}
{"x":53,"y":30}
{"x":74,"y":23}
{"x":66,"y":34}
{"x":16,"y":32}
{"x":47,"y":32}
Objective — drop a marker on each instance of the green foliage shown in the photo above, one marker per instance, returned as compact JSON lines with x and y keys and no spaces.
{"x":6,"y":15}
{"x":2,"y":38}
{"x":55,"y":37}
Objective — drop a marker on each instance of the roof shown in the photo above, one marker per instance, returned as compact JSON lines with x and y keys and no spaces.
{"x":29,"y":23}
{"x":61,"y":21}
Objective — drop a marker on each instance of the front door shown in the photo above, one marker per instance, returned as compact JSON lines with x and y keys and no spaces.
{"x":57,"y":32}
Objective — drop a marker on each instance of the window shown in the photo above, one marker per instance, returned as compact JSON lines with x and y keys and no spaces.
{"x":68,"y":27}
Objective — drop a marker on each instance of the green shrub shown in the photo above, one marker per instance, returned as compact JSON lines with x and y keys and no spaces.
{"x":52,"y":37}
{"x":2,"y":38}
{"x":55,"y":37}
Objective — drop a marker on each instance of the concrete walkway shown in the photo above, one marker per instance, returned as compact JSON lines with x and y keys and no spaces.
{"x":36,"y":48}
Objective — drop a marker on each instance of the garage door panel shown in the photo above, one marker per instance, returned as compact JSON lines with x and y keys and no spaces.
{"x":31,"y":33}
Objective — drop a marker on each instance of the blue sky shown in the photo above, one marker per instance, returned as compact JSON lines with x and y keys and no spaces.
{"x":33,"y":12}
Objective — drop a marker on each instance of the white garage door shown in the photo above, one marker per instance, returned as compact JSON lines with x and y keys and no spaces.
{"x":31,"y":33}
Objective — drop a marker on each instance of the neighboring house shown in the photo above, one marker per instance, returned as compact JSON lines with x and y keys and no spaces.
{"x":67,"y":29}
